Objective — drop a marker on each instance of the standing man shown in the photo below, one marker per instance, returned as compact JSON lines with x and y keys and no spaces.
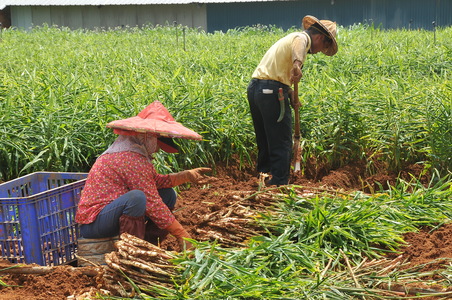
{"x":279,"y":69}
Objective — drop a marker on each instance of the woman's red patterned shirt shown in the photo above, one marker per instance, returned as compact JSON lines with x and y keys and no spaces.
{"x":115,"y":174}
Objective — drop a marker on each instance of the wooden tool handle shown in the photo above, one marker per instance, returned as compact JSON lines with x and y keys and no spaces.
{"x":297,"y":111}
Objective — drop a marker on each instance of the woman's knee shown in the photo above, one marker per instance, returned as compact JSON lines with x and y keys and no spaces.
{"x":136,"y":204}
{"x":168,"y":196}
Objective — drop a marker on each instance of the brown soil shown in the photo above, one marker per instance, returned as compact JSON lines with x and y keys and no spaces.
{"x":197,"y":205}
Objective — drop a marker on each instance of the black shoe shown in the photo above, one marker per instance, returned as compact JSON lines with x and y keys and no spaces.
{"x":272,"y":183}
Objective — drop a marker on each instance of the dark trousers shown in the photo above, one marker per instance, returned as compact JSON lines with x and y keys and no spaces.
{"x":274,"y":139}
{"x":132,"y":204}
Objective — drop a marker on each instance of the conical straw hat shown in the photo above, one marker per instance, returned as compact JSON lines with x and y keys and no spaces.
{"x":154,"y":119}
{"x":329,"y":26}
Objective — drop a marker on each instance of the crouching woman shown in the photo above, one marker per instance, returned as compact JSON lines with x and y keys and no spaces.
{"x":124,"y":192}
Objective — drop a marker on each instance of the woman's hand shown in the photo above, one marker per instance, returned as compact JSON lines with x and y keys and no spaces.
{"x":179,"y":232}
{"x":193,"y":175}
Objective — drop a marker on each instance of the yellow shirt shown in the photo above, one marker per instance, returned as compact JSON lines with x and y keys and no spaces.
{"x":278,"y":61}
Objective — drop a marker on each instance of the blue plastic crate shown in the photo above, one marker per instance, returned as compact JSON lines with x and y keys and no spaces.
{"x":37,"y":218}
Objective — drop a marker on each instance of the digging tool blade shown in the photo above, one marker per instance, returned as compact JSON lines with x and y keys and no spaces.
{"x":282,"y":106}
{"x":296,"y":151}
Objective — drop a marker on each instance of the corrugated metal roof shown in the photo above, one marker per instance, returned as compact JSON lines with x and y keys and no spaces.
{"x":4,"y":3}
{"x":85,"y":2}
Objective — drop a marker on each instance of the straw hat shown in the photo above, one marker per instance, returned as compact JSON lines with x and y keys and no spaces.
{"x":329,"y":26}
{"x":156,"y":120}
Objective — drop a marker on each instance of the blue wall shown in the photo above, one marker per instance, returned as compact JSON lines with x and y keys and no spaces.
{"x":388,"y":14}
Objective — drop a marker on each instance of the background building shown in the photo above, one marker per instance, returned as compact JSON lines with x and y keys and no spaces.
{"x":216,"y":15}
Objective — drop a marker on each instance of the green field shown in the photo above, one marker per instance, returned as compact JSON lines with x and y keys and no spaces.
{"x":385,"y":98}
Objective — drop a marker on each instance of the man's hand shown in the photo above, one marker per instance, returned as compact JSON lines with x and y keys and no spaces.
{"x":295,"y":72}
{"x":194,"y":176}
{"x":295,"y":104}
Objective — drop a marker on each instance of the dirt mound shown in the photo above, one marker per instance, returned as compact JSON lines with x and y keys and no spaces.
{"x":427,"y":249}
{"x":62,"y":283}
{"x":203,"y":211}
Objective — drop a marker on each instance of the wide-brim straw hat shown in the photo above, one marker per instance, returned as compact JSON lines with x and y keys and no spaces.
{"x":156,"y":120}
{"x":329,"y":26}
